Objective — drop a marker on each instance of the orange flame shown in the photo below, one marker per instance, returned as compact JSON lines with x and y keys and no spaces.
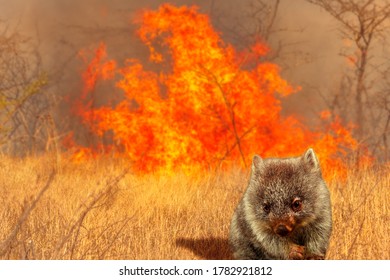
{"x":206,"y":104}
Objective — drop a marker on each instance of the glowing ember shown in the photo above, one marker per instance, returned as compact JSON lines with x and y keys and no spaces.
{"x":207,"y":105}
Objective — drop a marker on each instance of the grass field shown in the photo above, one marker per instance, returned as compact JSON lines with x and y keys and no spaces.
{"x":98,"y":210}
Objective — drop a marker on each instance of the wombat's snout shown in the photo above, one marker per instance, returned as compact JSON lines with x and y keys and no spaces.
{"x":283,"y":230}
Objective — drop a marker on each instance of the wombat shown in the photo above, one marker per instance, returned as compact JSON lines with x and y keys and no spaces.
{"x":285,"y":212}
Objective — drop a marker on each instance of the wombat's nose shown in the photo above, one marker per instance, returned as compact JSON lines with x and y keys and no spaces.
{"x":282,"y":230}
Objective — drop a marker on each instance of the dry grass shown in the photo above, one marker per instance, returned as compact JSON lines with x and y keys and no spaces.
{"x":96,"y":210}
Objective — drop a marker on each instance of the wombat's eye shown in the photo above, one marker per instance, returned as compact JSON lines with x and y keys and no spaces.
{"x":296,"y":205}
{"x":266,"y":208}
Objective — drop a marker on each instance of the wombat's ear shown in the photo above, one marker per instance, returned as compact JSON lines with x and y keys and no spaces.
{"x":311,"y":159}
{"x":257,"y":164}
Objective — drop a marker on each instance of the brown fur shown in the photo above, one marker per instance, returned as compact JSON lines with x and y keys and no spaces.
{"x":285,"y":212}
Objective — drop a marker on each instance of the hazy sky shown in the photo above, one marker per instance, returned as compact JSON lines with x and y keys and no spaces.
{"x":62,"y":27}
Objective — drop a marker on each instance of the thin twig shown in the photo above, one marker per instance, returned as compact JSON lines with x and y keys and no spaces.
{"x":22,"y":219}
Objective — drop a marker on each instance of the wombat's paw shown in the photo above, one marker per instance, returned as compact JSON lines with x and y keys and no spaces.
{"x":297,"y":252}
{"x":315,"y":257}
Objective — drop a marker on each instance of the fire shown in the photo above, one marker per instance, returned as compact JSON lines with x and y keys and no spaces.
{"x":203,"y":105}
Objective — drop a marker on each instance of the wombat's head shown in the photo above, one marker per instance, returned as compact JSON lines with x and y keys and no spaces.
{"x":284,"y":195}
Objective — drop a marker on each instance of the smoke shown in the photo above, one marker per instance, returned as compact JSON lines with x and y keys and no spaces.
{"x":305,"y":40}
{"x":307,"y":44}
{"x":306,"y":35}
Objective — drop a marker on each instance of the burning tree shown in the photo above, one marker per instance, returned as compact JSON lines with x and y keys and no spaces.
{"x":203,"y":103}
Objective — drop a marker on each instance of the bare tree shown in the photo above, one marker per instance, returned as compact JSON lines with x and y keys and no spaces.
{"x":24,"y":105}
{"x":362,"y":22}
